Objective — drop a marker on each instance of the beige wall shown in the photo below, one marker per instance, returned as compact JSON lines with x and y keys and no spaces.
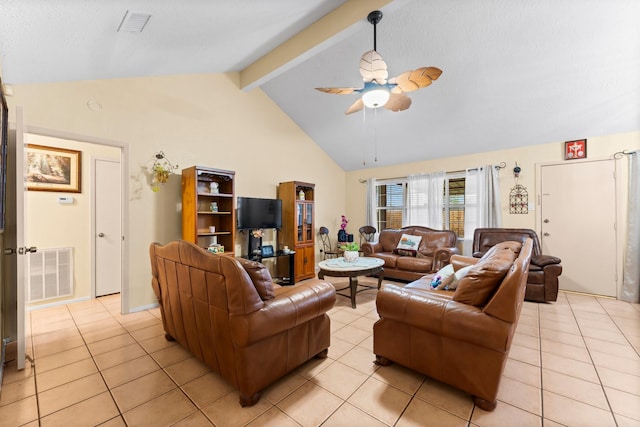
{"x":196,"y":120}
{"x":527,"y":157}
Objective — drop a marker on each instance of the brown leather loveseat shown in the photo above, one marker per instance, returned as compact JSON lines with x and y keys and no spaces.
{"x":463,"y":337}
{"x":227,"y":313}
{"x":434,"y":250}
{"x":542,"y":281}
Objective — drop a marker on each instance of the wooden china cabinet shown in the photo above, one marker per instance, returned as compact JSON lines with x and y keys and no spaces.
{"x":297,"y":230}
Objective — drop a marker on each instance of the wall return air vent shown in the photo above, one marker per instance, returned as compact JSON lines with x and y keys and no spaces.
{"x":134,"y":22}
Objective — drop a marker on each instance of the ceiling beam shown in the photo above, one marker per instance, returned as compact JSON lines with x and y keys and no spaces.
{"x":319,"y":35}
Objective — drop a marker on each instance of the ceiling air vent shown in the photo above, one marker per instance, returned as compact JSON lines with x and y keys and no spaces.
{"x":134,"y":22}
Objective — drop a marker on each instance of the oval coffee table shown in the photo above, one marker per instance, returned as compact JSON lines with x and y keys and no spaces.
{"x":363,"y":266}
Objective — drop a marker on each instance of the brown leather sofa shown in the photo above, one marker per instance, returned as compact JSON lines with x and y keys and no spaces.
{"x":461,"y":338}
{"x":542,"y":281}
{"x":433,"y":253}
{"x":227,"y":313}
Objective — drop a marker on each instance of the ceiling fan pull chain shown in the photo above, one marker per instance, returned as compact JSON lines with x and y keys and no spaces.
{"x":375,"y":135}
{"x":364,"y":140}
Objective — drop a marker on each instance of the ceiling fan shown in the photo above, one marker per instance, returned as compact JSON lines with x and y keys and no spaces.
{"x":377,"y":90}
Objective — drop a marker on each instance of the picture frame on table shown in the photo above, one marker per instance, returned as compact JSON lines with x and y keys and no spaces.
{"x":575,"y":149}
{"x":53,"y":169}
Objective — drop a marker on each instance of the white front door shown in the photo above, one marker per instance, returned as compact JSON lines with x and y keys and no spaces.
{"x":108,"y":227}
{"x":578,"y":214}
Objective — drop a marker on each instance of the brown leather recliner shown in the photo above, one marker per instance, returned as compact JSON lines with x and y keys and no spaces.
{"x":227,"y":313}
{"x":542,"y":282}
{"x":459,"y":337}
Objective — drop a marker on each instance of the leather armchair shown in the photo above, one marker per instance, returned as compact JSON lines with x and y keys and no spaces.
{"x":229,"y":315}
{"x":444,"y":335}
{"x":542,"y":282}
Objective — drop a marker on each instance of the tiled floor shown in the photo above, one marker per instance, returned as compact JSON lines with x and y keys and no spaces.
{"x":574,"y":362}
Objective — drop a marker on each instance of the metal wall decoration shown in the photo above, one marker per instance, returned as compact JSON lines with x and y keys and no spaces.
{"x":518,"y":197}
{"x":519,"y":200}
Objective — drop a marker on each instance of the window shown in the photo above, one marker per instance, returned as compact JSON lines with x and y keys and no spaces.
{"x":454,"y":204}
{"x":391,"y":204}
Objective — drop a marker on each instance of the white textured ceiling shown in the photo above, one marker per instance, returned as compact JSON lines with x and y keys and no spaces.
{"x":515,"y":72}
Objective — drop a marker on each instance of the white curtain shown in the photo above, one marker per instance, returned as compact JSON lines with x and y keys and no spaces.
{"x":481,"y":202}
{"x":372,"y":204}
{"x":425,"y":198}
{"x":631,"y":277}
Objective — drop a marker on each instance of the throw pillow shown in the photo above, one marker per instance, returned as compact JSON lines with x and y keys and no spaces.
{"x":261,"y":278}
{"x":443,"y":277}
{"x":408,"y":241}
{"x":453,"y":280}
{"x":477,"y":286}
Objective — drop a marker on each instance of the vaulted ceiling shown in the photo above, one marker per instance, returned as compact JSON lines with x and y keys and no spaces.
{"x":515,"y":72}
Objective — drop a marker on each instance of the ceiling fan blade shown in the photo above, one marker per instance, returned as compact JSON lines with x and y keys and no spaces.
{"x":338,"y":90}
{"x":356,"y":106}
{"x":416,"y":79}
{"x":398,"y":102}
{"x":373,"y":67}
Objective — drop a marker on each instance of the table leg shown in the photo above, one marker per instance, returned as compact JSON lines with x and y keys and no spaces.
{"x":353,"y":284}
{"x":380,"y":277}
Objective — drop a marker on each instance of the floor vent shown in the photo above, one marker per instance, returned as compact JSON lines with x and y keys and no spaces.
{"x":50,"y":274}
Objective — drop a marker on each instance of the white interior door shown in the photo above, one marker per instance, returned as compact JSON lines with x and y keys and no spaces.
{"x":22,"y":324}
{"x":578,"y":213}
{"x":108,"y":227}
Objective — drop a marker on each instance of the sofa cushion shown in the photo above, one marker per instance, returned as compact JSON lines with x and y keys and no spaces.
{"x":260,"y":277}
{"x":405,"y":252}
{"x":420,"y":265}
{"x":435,"y":240}
{"x":477,"y":286}
{"x":408,"y":241}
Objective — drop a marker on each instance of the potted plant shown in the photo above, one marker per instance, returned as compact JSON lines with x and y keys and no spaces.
{"x":351,"y":253}
{"x":160,"y":175}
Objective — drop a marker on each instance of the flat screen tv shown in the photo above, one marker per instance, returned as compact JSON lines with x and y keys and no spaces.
{"x":254,"y":213}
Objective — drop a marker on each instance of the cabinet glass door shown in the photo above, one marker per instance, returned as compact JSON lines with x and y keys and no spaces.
{"x":308,"y":221}
{"x":300,"y":221}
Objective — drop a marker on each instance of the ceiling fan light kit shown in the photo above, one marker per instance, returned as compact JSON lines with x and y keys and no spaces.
{"x":377,"y":90}
{"x":375,"y":98}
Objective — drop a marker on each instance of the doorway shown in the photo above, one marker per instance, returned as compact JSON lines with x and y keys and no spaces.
{"x":82,"y":210}
{"x":578,"y":223}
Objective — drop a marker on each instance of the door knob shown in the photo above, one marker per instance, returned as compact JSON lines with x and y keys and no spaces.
{"x":546,"y":221}
{"x":545,"y":234}
{"x":100,"y":234}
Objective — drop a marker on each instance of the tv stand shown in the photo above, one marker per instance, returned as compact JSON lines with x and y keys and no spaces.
{"x":277,"y":258}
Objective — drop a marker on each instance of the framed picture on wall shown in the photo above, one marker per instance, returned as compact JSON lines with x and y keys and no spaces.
{"x":575,"y":149}
{"x":53,"y":169}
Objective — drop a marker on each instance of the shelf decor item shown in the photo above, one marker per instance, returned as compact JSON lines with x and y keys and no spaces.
{"x":351,"y":253}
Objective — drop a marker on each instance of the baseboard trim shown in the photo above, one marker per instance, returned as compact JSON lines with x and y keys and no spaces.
{"x":58,"y":303}
{"x":143,"y":308}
